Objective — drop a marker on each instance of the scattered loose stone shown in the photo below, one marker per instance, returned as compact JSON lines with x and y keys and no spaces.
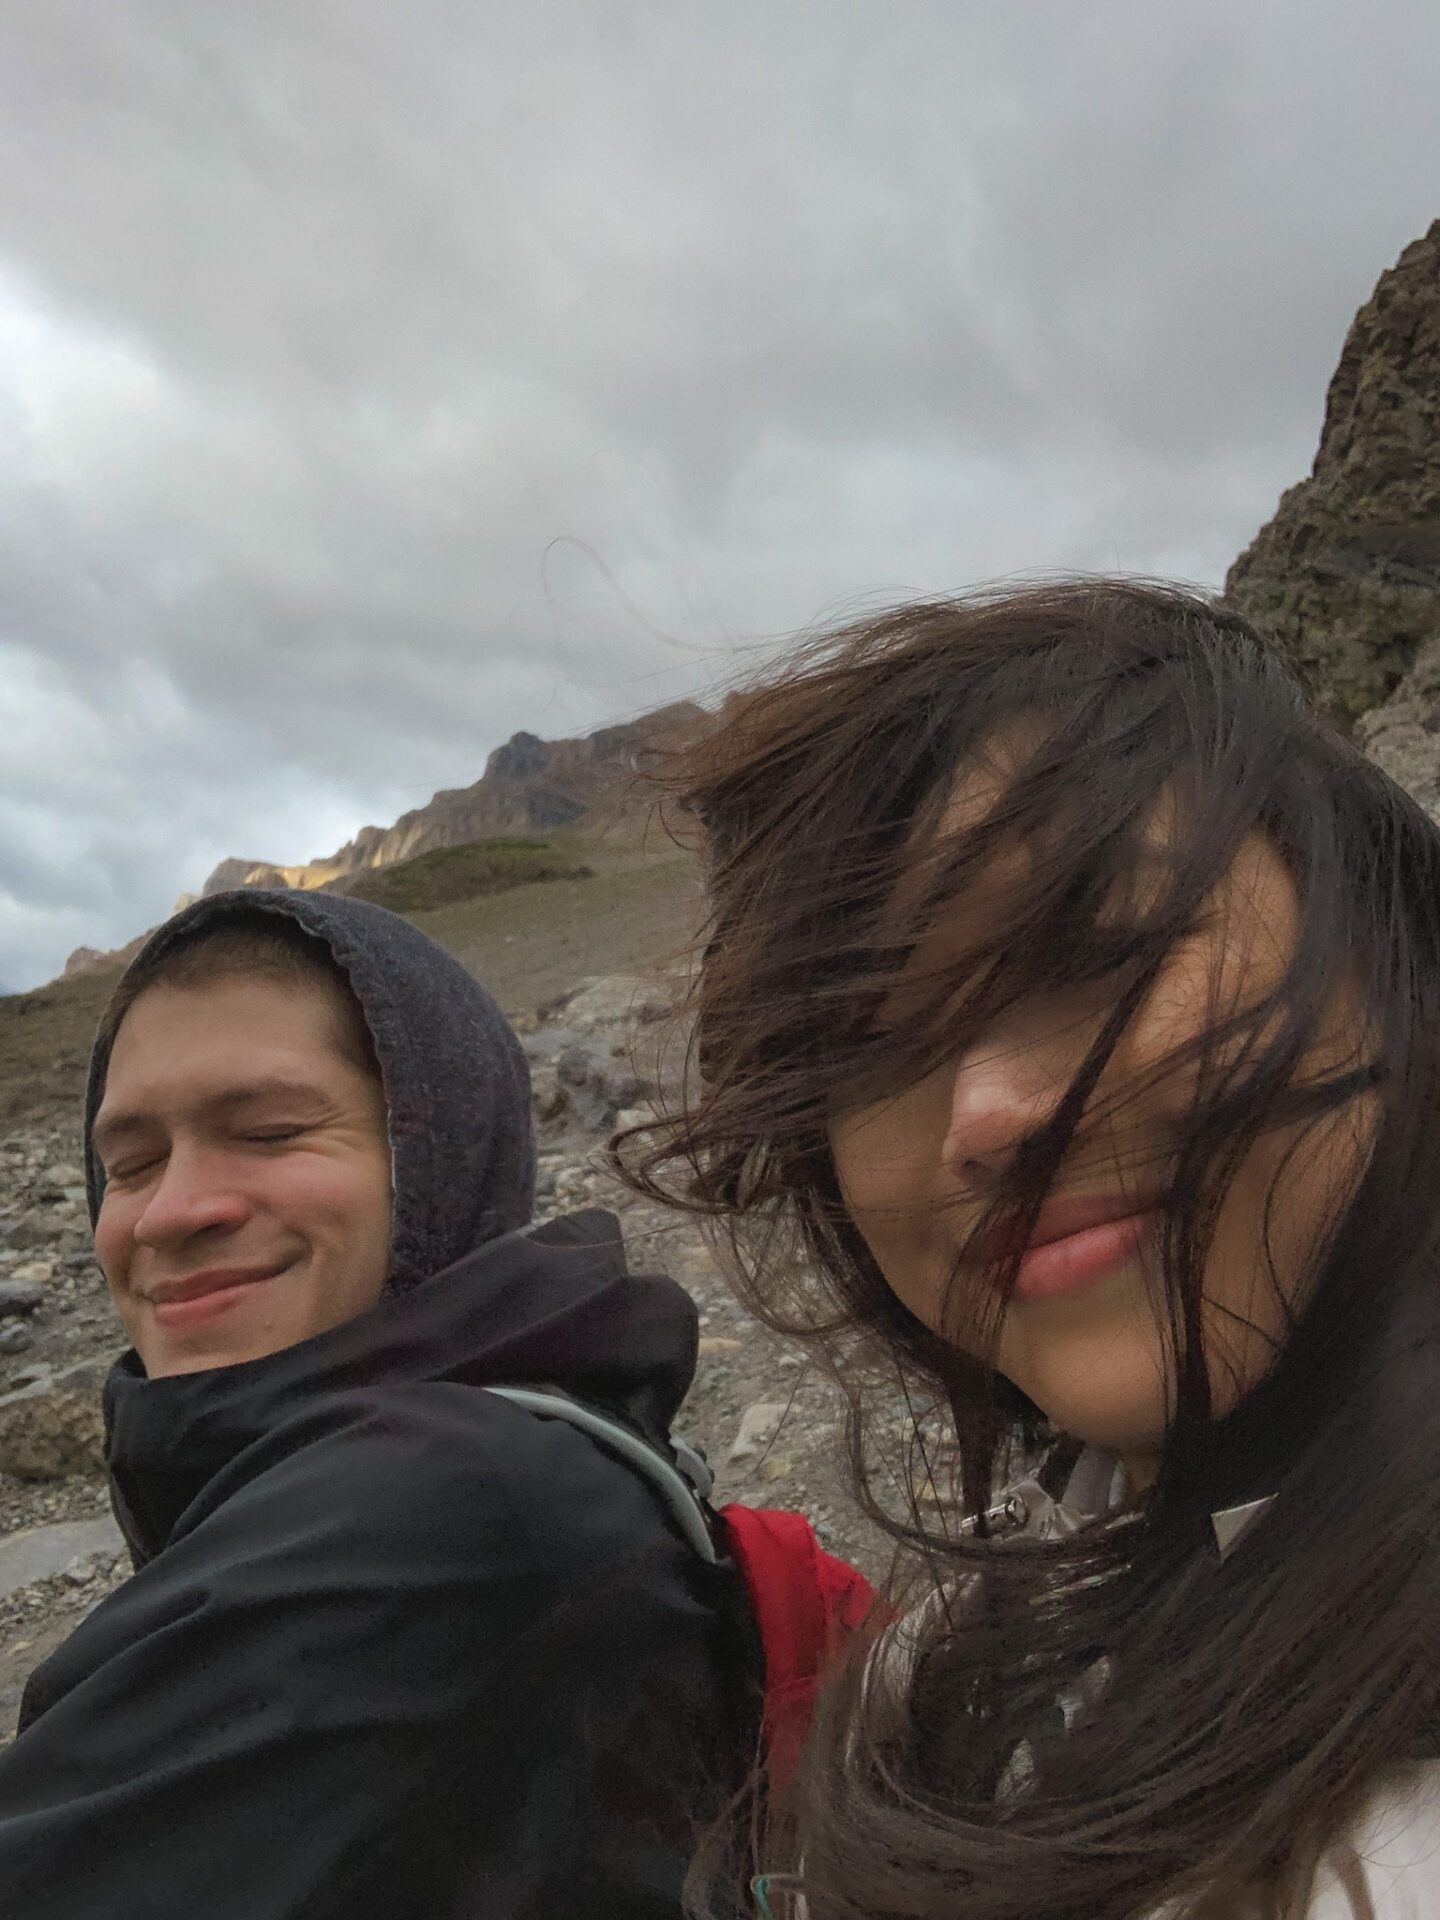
{"x":759,"y":1424}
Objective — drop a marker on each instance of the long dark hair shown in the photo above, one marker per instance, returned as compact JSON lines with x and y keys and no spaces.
{"x":1250,"y":1701}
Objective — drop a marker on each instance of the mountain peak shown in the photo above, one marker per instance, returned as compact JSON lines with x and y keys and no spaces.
{"x":529,"y":786}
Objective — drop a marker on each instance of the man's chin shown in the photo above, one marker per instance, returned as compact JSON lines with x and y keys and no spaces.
{"x":220,"y":1329}
{"x":166,"y":1365}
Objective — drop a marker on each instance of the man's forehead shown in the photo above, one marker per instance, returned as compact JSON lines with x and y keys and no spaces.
{"x":242,"y":1015}
{"x":221,"y":1036}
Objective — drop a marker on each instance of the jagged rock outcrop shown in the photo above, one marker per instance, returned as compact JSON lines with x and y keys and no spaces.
{"x":1347,"y":574}
{"x":529,"y":786}
{"x":255,"y":873}
{"x":1403,"y":735}
{"x":92,"y":960}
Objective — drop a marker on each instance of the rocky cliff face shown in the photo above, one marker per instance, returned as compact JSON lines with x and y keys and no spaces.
{"x":1403,"y":735}
{"x":1347,"y":574}
{"x":529,"y":786}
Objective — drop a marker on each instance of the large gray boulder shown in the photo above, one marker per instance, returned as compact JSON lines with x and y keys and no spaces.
{"x":54,"y":1426}
{"x":39,"y":1553}
{"x":617,"y":1001}
{"x":601,"y":1051}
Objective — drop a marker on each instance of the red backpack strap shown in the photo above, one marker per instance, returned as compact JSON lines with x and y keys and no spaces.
{"x":806,"y":1604}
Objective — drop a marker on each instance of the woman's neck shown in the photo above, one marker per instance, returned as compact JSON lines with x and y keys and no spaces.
{"x":1141,"y":1470}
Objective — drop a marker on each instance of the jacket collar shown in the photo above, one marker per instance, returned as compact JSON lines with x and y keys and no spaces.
{"x":553,"y":1304}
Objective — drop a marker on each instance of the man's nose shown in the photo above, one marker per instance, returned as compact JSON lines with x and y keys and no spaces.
{"x":1002,"y":1092}
{"x":193,"y":1197}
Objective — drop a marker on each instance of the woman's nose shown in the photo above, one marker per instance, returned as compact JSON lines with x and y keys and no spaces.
{"x":1003,"y":1091}
{"x":192,"y":1197}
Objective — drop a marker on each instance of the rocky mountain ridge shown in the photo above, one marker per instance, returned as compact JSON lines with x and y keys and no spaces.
{"x":1346,"y":575}
{"x":529,"y":786}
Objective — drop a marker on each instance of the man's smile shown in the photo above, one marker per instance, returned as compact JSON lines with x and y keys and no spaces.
{"x":202,"y":1297}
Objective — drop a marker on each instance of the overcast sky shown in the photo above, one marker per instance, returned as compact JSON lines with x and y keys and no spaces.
{"x":378,"y":377}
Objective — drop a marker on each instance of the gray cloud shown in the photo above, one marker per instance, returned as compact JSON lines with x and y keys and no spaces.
{"x":350,"y":352}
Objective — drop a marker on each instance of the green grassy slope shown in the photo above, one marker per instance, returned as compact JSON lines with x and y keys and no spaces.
{"x":449,"y":874}
{"x":45,"y":1043}
{"x":635,"y":907}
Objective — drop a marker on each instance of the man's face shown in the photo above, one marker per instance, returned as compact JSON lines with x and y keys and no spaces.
{"x":247,"y":1173}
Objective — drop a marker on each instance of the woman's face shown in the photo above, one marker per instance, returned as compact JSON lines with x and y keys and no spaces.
{"x":1082,"y":1336}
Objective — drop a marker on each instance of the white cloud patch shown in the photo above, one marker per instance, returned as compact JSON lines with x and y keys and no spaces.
{"x":377,"y":379}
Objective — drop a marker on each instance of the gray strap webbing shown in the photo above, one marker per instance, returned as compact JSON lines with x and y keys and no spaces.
{"x":679,"y":1496}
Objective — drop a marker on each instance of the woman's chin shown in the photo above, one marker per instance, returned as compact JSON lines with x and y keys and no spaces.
{"x":1106,"y":1388}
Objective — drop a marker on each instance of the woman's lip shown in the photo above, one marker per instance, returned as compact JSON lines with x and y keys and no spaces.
{"x":1068,"y":1263}
{"x":1072,"y":1214}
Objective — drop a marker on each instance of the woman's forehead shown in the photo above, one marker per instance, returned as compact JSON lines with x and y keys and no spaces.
{"x":997,"y":766}
{"x":1252,"y":904}
{"x":1018,"y":855}
{"x":987,"y":774}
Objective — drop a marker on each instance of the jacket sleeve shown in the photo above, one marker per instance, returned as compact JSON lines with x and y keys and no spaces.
{"x":426,"y":1661}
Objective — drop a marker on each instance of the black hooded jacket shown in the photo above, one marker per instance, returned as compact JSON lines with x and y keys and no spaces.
{"x":395,"y":1646}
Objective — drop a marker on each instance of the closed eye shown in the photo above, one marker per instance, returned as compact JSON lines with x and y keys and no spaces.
{"x":131,"y":1168}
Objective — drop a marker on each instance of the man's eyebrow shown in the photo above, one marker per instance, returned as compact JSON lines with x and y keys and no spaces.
{"x":112,"y":1128}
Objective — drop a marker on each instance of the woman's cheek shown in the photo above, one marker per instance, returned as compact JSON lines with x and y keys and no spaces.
{"x":1270,"y":1237}
{"x":851,"y":1138}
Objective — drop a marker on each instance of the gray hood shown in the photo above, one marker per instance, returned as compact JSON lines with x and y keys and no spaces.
{"x":457,"y":1087}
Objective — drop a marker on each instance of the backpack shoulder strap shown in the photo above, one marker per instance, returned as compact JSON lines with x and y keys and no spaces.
{"x":806,"y":1604}
{"x":681,"y":1493}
